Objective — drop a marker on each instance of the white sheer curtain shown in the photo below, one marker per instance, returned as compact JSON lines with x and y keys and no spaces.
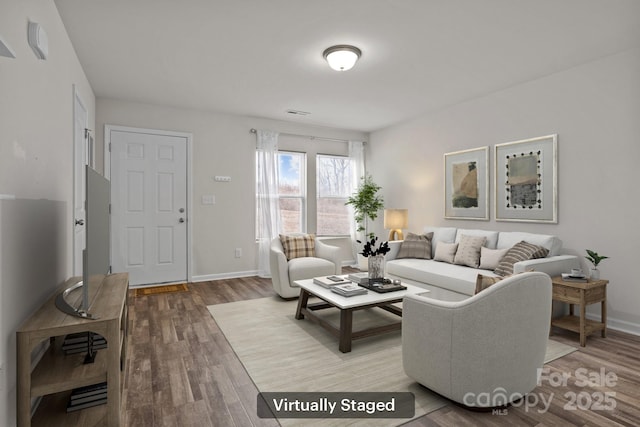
{"x":356,"y":154}
{"x":267,"y":200}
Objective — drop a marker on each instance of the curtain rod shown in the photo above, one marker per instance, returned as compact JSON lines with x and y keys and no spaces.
{"x":253,"y":130}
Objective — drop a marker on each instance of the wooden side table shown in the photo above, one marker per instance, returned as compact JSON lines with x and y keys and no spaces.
{"x":583,"y":294}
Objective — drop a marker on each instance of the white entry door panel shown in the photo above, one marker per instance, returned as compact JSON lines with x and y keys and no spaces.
{"x":149,"y":206}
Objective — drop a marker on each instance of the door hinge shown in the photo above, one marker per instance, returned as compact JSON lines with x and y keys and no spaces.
{"x":109,"y":147}
{"x":109,"y":208}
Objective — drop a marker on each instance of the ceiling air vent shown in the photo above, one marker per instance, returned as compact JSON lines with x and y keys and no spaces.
{"x":298,"y":112}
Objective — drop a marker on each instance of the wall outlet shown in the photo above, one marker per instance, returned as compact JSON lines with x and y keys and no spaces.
{"x":238,"y":252}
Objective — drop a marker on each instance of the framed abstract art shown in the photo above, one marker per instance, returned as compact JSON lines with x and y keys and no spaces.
{"x":466,"y":183}
{"x":526,"y":187}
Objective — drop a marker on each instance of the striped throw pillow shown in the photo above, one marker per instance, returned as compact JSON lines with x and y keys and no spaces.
{"x":298,"y":246}
{"x":519,"y":252}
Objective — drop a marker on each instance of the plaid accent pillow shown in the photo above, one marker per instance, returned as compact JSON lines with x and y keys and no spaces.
{"x":519,"y":252}
{"x":298,"y":246}
{"x":416,"y":246}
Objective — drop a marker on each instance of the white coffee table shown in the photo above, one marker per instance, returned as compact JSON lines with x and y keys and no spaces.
{"x":347,"y":305}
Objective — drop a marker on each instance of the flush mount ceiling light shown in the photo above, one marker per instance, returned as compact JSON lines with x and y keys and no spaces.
{"x":342,"y":57}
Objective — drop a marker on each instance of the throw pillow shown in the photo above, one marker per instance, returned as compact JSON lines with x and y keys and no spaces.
{"x":468,"y":252}
{"x":416,"y":246}
{"x":490,"y":258}
{"x":445,"y":252}
{"x":298,"y":246}
{"x":519,"y":252}
{"x":483,"y":282}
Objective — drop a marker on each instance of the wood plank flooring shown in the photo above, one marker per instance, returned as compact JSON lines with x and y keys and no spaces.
{"x":181,"y":371}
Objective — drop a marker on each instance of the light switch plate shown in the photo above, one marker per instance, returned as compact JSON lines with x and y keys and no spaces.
{"x":209,"y":199}
{"x":220,"y":178}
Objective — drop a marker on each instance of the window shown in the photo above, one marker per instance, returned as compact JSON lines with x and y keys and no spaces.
{"x":292,"y":191}
{"x":333,"y":186}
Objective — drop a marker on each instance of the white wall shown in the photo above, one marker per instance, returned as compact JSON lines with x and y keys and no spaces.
{"x":36,"y":148}
{"x":594,"y":109}
{"x":222,"y":145}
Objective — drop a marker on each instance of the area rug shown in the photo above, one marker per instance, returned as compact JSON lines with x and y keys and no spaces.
{"x":163,"y":289}
{"x":283,"y":354}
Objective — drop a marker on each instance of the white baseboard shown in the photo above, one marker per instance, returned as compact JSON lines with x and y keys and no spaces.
{"x":232,"y":275}
{"x":617,"y":324}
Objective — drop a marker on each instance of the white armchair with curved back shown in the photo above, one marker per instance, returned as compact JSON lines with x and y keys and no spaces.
{"x":284,"y":272}
{"x":484,"y":351}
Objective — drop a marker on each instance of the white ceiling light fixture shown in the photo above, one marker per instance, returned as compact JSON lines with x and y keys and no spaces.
{"x":342,"y":57}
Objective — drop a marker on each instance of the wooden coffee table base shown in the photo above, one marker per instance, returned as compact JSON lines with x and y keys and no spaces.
{"x":345,"y":332}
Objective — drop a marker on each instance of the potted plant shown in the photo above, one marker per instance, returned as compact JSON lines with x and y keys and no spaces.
{"x":375,"y":257}
{"x":366,"y":203}
{"x":595,"y":259}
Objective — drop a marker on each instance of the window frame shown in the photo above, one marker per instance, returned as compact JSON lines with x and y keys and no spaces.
{"x":344,"y":197}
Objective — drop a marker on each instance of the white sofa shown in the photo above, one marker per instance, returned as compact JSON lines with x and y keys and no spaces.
{"x":452,"y":282}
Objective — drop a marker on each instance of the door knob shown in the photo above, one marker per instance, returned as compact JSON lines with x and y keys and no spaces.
{"x":181,"y":210}
{"x":79,"y":221}
{"x":181,"y":220}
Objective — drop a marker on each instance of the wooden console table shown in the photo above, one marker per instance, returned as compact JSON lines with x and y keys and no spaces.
{"x":583,"y":294}
{"x":57,"y":374}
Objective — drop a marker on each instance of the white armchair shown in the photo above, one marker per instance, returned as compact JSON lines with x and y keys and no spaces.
{"x":484,"y":351}
{"x":284,"y":272}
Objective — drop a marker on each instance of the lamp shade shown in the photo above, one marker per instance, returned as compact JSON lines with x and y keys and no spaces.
{"x":342,"y":57}
{"x":396,"y":218}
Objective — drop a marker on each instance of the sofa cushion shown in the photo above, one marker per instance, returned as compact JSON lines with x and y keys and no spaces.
{"x":446,"y":252}
{"x":456,"y":278}
{"x":519,"y":252}
{"x":297,"y":246}
{"x":492,"y":236}
{"x":416,"y":246}
{"x":507,"y":239}
{"x":490,"y":258}
{"x":440,"y":234}
{"x":309,"y":267}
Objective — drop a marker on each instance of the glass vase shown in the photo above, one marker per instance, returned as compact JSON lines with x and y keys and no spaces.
{"x":376,"y":267}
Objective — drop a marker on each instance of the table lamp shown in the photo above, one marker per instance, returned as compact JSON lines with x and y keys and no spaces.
{"x":395,"y":220}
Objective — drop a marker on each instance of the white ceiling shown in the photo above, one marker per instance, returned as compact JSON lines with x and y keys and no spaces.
{"x":261,"y":58}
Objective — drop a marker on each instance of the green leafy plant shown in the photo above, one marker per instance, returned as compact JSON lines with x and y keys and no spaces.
{"x":594,"y":258}
{"x":366,"y":203}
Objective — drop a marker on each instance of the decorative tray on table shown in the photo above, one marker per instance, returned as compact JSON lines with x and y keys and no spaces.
{"x":383,"y":285}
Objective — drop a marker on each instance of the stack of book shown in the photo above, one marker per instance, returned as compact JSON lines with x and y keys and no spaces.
{"x":348,"y":290}
{"x":88,"y":396}
{"x":330,"y":281}
{"x":78,"y":342}
{"x":360,"y":278}
{"x":568,"y":277}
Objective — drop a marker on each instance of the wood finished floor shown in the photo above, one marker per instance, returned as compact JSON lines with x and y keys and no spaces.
{"x":181,"y":371}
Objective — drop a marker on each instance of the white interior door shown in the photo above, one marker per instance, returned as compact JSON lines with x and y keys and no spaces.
{"x":80,"y":123}
{"x":149,"y":206}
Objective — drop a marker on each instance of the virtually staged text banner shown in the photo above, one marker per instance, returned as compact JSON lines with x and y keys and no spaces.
{"x":336,"y":405}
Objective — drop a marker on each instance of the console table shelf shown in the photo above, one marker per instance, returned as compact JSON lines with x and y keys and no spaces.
{"x":57,"y":374}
